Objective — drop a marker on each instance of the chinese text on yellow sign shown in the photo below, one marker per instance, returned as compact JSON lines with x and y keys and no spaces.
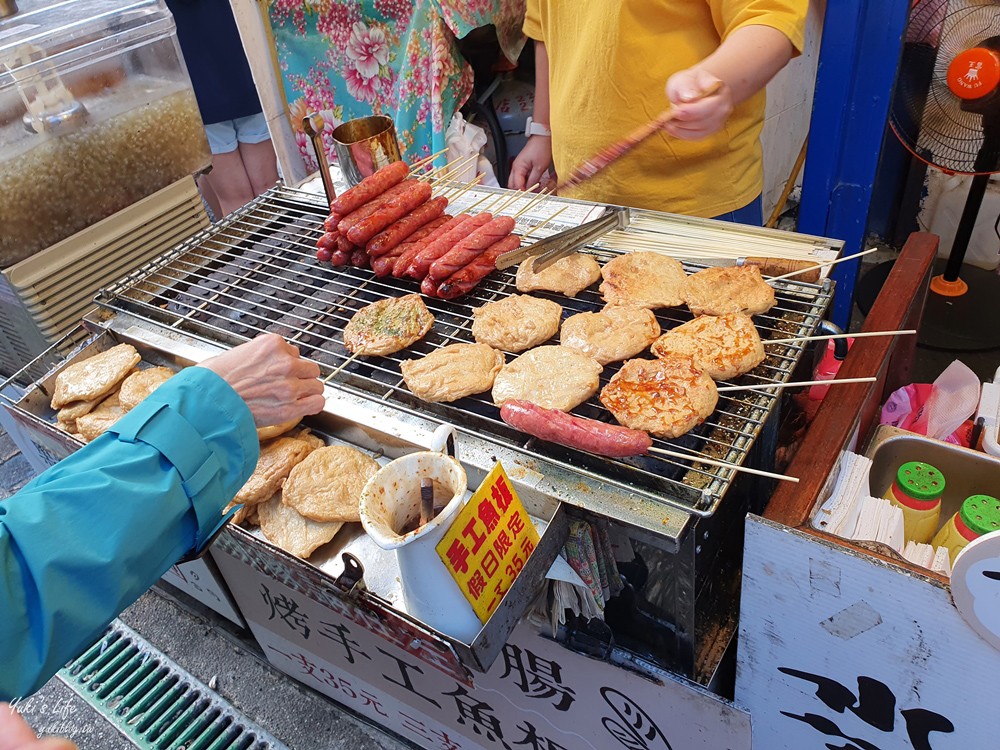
{"x":488,"y":543}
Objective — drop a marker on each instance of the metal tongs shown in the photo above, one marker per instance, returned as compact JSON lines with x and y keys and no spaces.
{"x":562,"y":244}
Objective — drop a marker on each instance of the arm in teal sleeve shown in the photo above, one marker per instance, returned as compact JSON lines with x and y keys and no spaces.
{"x":87,"y":537}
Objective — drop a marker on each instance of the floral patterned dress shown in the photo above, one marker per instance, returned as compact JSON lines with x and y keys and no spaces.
{"x":353,"y":58}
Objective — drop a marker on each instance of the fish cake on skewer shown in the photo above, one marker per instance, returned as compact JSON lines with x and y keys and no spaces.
{"x":569,"y":275}
{"x":516,"y":323}
{"x":452,"y":372}
{"x":724,"y":346}
{"x":730,"y":289}
{"x":612,"y":334}
{"x":643,"y":279}
{"x":388,"y":326}
{"x":665,"y":397}
{"x":554,"y":377}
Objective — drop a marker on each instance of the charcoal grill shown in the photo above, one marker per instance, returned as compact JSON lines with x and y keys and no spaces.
{"x":256,"y":272}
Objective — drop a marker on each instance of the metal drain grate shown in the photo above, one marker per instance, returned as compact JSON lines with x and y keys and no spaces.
{"x":154,"y":702}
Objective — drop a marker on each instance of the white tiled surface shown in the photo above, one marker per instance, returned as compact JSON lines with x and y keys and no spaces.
{"x":789,"y":106}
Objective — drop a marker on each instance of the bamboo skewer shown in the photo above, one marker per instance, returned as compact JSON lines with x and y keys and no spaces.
{"x":761,"y":386}
{"x":340,"y":367}
{"x":539,"y":226}
{"x":461,"y":189}
{"x":838,"y":336}
{"x":531,"y":204}
{"x":615,"y":151}
{"x":722,"y":464}
{"x":824,"y":264}
{"x":427,"y":159}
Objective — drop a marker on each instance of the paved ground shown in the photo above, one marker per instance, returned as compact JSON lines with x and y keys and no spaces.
{"x":205,"y":647}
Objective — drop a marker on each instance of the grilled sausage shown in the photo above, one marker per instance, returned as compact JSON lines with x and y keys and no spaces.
{"x":429,"y":287}
{"x":339,"y":258}
{"x":328,"y":241}
{"x":384,"y":265}
{"x":330,"y":222}
{"x":344,"y":245}
{"x":465,"y":280}
{"x":345,"y":224}
{"x":414,"y":248}
{"x":434,"y":250}
{"x":400,"y":230}
{"x":575,"y":432}
{"x":392,"y":210}
{"x":370,"y":187}
{"x":469,"y":249}
{"x":359,"y":258}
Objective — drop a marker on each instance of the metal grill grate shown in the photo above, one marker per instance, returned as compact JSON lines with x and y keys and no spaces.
{"x":257,"y":272}
{"x":155,"y":703}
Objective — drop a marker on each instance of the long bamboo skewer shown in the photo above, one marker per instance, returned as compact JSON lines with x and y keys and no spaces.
{"x":824,"y":264}
{"x":838,"y":336}
{"x":539,"y":226}
{"x":722,"y":464}
{"x":346,"y":362}
{"x":615,"y":151}
{"x":532,"y":203}
{"x":427,"y":159}
{"x":762,"y":386}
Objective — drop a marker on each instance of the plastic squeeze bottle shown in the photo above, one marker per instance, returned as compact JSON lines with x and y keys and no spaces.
{"x":917,"y":492}
{"x":979,"y":514}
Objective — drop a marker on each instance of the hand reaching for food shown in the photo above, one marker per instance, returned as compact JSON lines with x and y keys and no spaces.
{"x":268,"y":373}
{"x":697,"y":114}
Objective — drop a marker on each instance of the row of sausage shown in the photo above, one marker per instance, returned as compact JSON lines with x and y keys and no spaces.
{"x":391,"y":223}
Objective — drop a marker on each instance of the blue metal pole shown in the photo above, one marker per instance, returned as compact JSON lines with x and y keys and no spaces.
{"x":859,"y":55}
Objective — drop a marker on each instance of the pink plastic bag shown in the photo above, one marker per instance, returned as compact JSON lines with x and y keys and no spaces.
{"x":906,"y":409}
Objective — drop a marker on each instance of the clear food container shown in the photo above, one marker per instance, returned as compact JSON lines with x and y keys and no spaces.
{"x":96,"y":113}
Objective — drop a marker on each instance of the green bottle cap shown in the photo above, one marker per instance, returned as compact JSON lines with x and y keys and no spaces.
{"x":981,"y":513}
{"x":920,"y":481}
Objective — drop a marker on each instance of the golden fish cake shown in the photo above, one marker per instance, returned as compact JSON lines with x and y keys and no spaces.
{"x":724,"y":346}
{"x":665,"y":397}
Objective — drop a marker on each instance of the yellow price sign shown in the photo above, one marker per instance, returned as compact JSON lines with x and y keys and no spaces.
{"x":488,"y":543}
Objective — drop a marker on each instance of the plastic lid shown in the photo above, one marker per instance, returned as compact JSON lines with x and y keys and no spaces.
{"x":69,"y":33}
{"x":981,"y":513}
{"x":920,"y":481}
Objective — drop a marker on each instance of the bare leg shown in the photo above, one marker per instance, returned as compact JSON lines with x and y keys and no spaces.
{"x":229,"y":180}
{"x":261,"y":165}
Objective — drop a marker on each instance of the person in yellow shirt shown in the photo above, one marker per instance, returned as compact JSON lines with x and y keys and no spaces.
{"x":601,"y":69}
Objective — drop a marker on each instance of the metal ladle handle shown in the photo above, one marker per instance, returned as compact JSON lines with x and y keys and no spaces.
{"x":312,"y":125}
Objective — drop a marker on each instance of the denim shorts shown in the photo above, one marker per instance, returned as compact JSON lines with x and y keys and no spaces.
{"x":224,"y":137}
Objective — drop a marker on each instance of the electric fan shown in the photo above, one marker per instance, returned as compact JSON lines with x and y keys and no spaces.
{"x":946,"y":112}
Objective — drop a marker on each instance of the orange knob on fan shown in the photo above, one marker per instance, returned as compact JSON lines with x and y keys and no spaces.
{"x":974,"y":73}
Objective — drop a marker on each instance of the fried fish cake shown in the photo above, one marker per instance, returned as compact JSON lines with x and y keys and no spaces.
{"x":287,"y":528}
{"x":730,"y":289}
{"x":67,"y":416}
{"x":553,"y":377}
{"x":387,"y":326}
{"x":453,"y":372}
{"x":327,"y":485}
{"x":276,"y":461}
{"x":612,"y":334}
{"x":273,"y":430}
{"x":569,"y":275}
{"x":140,"y":384}
{"x":95,"y":376}
{"x":643,"y":279}
{"x":665,"y":397}
{"x":92,"y":424}
{"x":724,"y":346}
{"x":516,"y":323}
